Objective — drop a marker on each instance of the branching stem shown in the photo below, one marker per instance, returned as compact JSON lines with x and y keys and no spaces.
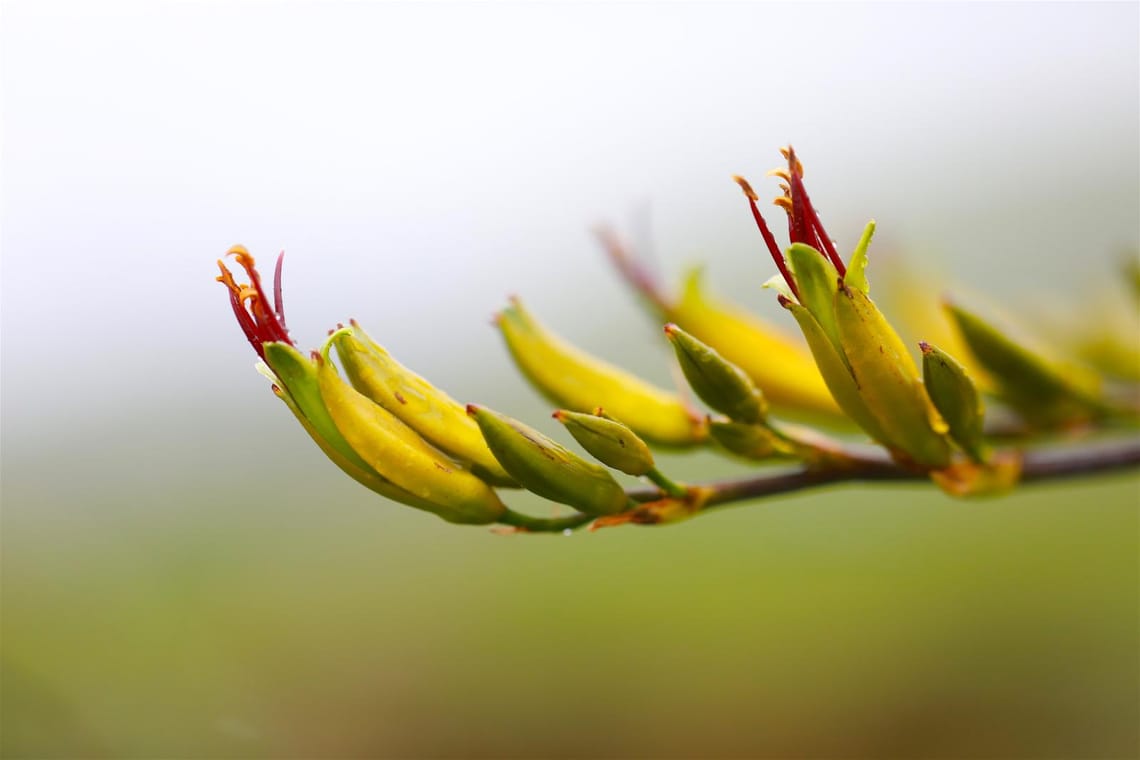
{"x":871,"y":465}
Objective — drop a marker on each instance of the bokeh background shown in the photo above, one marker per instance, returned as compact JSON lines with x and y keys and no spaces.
{"x":184,"y":575}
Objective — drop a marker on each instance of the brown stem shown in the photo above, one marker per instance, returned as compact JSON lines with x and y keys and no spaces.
{"x":872,"y":466}
{"x":867,"y":465}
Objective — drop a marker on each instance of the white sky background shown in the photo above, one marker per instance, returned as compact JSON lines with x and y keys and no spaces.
{"x":418,"y":162}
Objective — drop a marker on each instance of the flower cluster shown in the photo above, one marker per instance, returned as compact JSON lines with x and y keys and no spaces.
{"x":404,"y":438}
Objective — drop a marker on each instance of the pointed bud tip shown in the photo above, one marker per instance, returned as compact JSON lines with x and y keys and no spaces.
{"x":559,"y":414}
{"x":925,"y":347}
{"x":472,"y":410}
{"x":670,"y":329}
{"x":784,"y":300}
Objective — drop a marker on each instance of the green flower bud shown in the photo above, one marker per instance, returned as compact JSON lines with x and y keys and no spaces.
{"x":956,"y":398}
{"x":548,"y":469}
{"x":1045,"y":394}
{"x":608,"y":441}
{"x":720,"y":384}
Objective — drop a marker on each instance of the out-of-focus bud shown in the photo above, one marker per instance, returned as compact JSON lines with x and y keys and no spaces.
{"x":547,"y":468}
{"x":718,"y":382}
{"x":577,"y":381}
{"x":436,"y":416}
{"x":1132,"y":273}
{"x":1044,"y":393}
{"x":755,"y":442}
{"x":956,"y":399}
{"x":608,"y":441}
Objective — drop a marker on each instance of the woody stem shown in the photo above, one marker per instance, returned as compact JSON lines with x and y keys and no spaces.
{"x":867,"y":465}
{"x":872,"y":466}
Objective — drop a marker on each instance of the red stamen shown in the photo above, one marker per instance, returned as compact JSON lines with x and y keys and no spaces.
{"x":807,"y":218}
{"x":245,"y":322}
{"x":799,"y":230}
{"x":278,"y":303}
{"x":271,"y":328}
{"x":250,"y":305}
{"x":769,"y":239}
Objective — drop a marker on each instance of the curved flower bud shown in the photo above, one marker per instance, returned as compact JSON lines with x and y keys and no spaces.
{"x":547,"y":468}
{"x":777,"y":364}
{"x":719,"y":383}
{"x":397,"y":452}
{"x":295,"y":382}
{"x":436,"y":416}
{"x":1043,"y":393}
{"x":577,"y":381}
{"x":608,"y":441}
{"x":754,"y":442}
{"x":956,"y":399}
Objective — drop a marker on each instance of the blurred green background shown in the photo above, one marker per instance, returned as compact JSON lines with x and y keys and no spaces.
{"x":184,"y":575}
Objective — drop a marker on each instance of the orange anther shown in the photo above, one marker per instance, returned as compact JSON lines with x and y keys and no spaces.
{"x":747,"y":188}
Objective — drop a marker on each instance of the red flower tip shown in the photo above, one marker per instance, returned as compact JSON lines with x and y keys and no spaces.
{"x":804,"y":225}
{"x":262,"y":321}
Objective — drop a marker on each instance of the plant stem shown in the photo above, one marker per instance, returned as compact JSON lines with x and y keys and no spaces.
{"x":873,"y":465}
{"x":544,"y":524}
{"x":670,"y":487}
